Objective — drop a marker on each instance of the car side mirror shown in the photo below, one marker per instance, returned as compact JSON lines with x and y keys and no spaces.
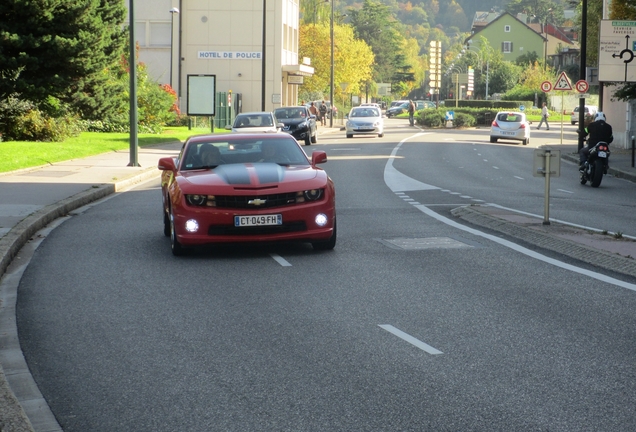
{"x":318,"y":157}
{"x":166,"y":164}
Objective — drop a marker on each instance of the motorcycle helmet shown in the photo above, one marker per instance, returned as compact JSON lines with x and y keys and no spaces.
{"x":599,"y":116}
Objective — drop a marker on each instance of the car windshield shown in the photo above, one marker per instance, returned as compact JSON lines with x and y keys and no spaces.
{"x":510,"y":117}
{"x":253,"y":120}
{"x":212,"y":154}
{"x":290,"y":113}
{"x":366,"y":112}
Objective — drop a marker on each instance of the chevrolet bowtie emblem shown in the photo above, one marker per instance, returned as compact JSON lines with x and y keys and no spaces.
{"x":257,"y":202}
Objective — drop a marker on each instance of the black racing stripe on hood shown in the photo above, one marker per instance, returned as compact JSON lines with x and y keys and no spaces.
{"x":269,"y":172}
{"x":234,"y":174}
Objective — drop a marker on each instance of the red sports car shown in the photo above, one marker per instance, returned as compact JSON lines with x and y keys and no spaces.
{"x":246,"y":188}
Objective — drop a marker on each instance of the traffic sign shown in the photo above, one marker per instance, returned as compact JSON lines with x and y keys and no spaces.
{"x":546,"y":86}
{"x":522,"y":108}
{"x":582,"y":86}
{"x":617,"y":52}
{"x":563,"y":83}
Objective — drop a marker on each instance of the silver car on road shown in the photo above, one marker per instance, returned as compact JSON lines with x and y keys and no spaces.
{"x":365,"y":120}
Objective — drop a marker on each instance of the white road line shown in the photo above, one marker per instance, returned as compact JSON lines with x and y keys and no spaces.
{"x":495,"y":167}
{"x":424,"y":209}
{"x":566,"y":191}
{"x":520,"y":178}
{"x":280,"y":260}
{"x":410,"y":339}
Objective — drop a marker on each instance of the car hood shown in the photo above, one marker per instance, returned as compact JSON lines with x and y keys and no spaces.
{"x":293,"y":122}
{"x":250,"y":176}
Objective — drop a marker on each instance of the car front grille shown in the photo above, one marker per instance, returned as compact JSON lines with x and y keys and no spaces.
{"x":250,"y":202}
{"x":216,"y":230}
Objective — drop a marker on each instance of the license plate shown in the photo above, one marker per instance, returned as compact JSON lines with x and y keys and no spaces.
{"x":602,"y":154}
{"x":508,"y":133}
{"x":260,"y":220}
{"x":365,"y":129}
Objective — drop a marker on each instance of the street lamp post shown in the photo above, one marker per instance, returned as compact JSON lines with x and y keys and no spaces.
{"x":332,"y":67}
{"x":173,"y":11}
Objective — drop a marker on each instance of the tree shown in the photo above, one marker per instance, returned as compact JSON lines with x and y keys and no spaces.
{"x":375,"y":25}
{"x":63,"y":49}
{"x":353,"y":59}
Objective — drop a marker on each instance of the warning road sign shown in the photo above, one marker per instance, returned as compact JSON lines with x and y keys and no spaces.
{"x":563,"y":83}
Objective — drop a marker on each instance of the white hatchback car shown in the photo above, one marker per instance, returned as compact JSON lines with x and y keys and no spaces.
{"x":365,"y":120}
{"x":258,"y":122}
{"x":510,"y":125}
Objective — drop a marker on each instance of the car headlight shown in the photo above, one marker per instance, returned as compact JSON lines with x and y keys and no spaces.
{"x":201,"y":200}
{"x":309,"y":195}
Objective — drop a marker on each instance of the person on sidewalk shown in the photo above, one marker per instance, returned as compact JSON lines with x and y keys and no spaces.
{"x":544,"y":117}
{"x":313,"y":110}
{"x":323,"y":113}
{"x":599,"y":130}
{"x":411,"y":113}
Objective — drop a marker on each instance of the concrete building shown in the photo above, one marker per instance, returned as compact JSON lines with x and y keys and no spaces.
{"x":236,"y":41}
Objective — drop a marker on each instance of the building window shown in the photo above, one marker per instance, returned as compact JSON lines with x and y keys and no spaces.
{"x":507,"y":29}
{"x":506,"y":47}
{"x":160,"y":33}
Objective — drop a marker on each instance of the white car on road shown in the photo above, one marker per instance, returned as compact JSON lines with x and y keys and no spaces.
{"x":510,"y":125}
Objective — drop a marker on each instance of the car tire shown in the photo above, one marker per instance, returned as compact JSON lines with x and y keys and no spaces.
{"x":493,"y":139}
{"x":329,"y":244}
{"x":380,"y":135}
{"x":166,"y":224}
{"x":349,"y":136}
{"x":177,"y":249}
{"x":525,"y":141}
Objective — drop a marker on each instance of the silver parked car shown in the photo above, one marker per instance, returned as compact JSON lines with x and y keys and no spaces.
{"x":365,"y":120}
{"x":510,"y":125}
{"x":257,"y":122}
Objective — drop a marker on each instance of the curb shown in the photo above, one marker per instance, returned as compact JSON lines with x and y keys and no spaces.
{"x":14,"y":411}
{"x":581,"y":252}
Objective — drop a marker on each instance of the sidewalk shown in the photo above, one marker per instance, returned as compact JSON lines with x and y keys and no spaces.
{"x":31,"y":199}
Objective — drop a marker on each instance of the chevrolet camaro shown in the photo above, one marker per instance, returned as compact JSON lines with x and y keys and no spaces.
{"x":234,"y":188}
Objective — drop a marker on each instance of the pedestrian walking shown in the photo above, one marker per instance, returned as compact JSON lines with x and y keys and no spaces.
{"x":411,"y":112}
{"x":323,"y":113}
{"x":544,"y":117}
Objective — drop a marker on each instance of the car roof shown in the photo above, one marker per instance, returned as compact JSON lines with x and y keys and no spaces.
{"x":238,"y":136}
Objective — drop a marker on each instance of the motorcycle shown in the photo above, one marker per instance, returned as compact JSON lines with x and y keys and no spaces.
{"x":596,"y":164}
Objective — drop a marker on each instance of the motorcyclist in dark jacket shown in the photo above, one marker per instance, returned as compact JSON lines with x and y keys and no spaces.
{"x":599,"y":130}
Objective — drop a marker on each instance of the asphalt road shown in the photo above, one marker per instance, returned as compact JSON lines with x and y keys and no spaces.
{"x":411,"y":323}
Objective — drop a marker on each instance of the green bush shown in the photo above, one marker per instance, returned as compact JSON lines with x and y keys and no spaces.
{"x":464,"y":120}
{"x":22,"y":120}
{"x":431,"y":118}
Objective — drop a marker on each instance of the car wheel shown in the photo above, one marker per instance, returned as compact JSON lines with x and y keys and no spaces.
{"x":349,"y":136}
{"x":329,"y":244}
{"x":380,"y":135}
{"x":177,"y":249}
{"x":525,"y":141}
{"x":493,"y":139}
{"x":166,"y":224}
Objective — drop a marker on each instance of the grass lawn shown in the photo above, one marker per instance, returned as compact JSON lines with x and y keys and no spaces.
{"x":17,"y":155}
